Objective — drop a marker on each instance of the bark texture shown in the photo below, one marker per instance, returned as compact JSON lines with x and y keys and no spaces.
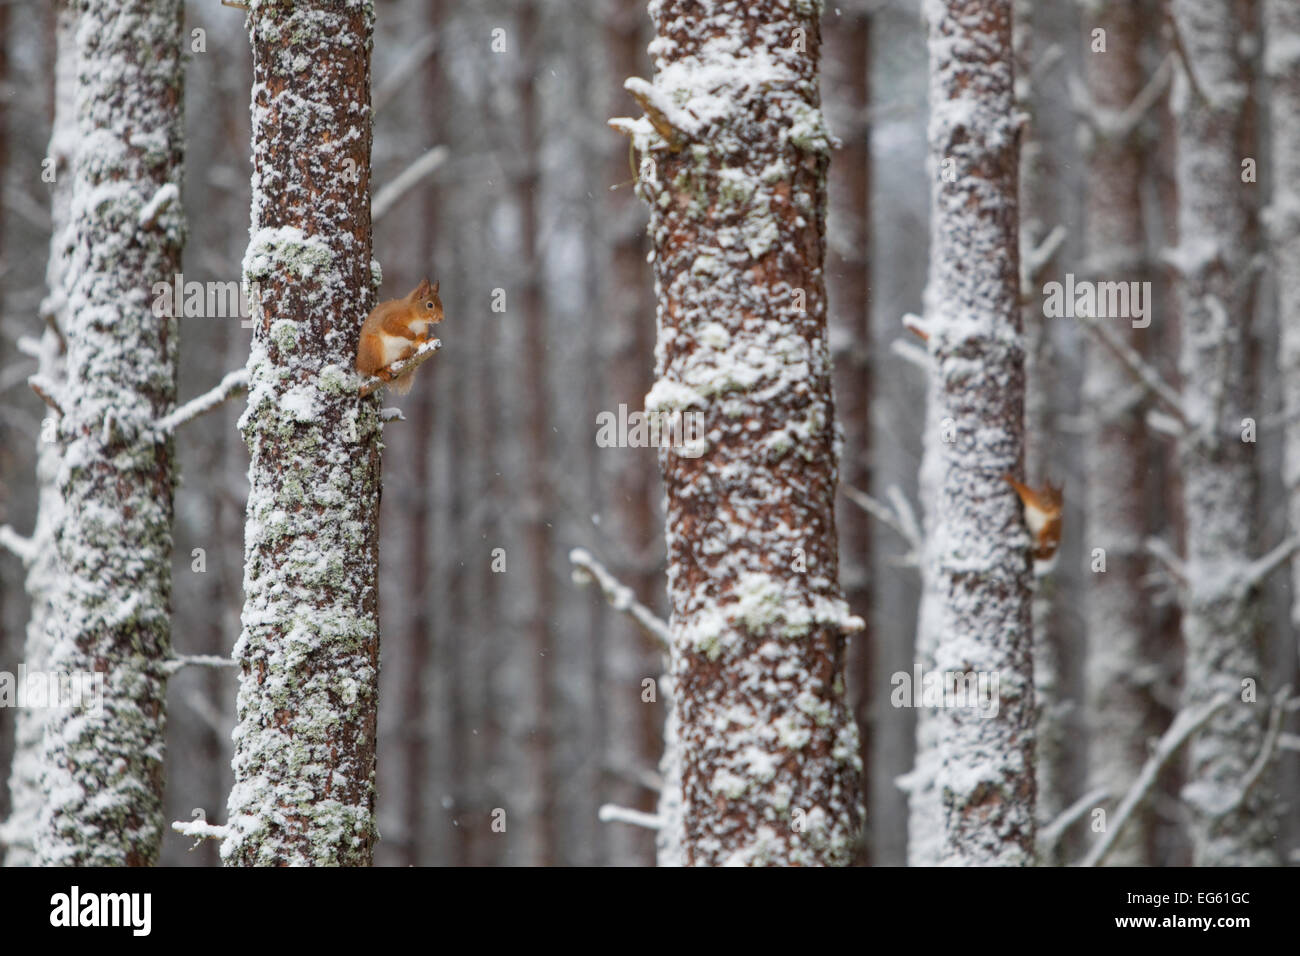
{"x":733,"y":160}
{"x":304,"y":758}
{"x":1212,"y":106}
{"x":103,"y":767}
{"x":981,"y":550}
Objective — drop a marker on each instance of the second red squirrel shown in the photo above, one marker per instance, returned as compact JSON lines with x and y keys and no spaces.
{"x":394,"y":330}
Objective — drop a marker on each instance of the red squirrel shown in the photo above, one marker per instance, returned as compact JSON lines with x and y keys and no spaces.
{"x":1042,"y":516}
{"x":394,"y":330}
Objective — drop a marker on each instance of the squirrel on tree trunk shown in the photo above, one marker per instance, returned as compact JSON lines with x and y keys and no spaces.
{"x":394,"y":330}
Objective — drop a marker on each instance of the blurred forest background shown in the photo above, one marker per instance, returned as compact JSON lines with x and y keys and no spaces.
{"x":521,"y":687}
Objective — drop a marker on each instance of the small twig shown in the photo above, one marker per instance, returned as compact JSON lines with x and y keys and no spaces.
{"x":1267,"y":749}
{"x":1036,"y":259}
{"x":612,"y":813}
{"x":174,"y":663}
{"x":1140,"y":369}
{"x":47,"y":391}
{"x":1159,"y":549}
{"x":1186,"y":723}
{"x":912,"y":353}
{"x":425,"y":166}
{"x":398,"y":369}
{"x":620,"y":596}
{"x":1176,"y":38}
{"x":1128,"y":120}
{"x":1051,"y":834}
{"x":24,"y":549}
{"x":886,"y":515}
{"x":234,"y":383}
{"x":201,"y":829}
{"x":1265,"y":565}
{"x":155,"y":207}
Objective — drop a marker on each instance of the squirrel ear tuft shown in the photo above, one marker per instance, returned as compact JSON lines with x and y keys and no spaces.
{"x":433,"y":288}
{"x":421,"y":290}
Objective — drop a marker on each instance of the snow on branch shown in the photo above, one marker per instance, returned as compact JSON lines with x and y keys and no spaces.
{"x":1035,"y":260}
{"x":898,"y":514}
{"x":612,"y":813}
{"x":1262,"y":567}
{"x":619,"y":595}
{"x":155,"y":207}
{"x":1159,"y":549}
{"x":47,"y":391}
{"x":670,"y":121}
{"x":1145,"y":373}
{"x":201,"y":829}
{"x":1267,"y":751}
{"x":173,"y":664}
{"x":1050,"y":835}
{"x":425,"y":166}
{"x":397,"y":369}
{"x":20,"y":547}
{"x":1184,"y":725}
{"x":234,"y":383}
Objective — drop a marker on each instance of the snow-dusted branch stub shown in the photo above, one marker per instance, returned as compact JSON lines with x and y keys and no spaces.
{"x":48,"y":392}
{"x":397,"y":369}
{"x":672,"y":122}
{"x":619,"y":596}
{"x":166,"y":195}
{"x":612,"y":813}
{"x":201,"y":829}
{"x":175,"y":663}
{"x":24,"y":549}
{"x":234,"y":383}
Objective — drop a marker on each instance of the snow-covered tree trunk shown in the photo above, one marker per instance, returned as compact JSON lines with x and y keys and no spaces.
{"x":1282,"y":57}
{"x":1114,"y":457}
{"x":1212,"y":106}
{"x":732,"y":161}
{"x":103,"y":766}
{"x":924,"y":800}
{"x":41,"y":560}
{"x":304,"y":759}
{"x":981,"y":553}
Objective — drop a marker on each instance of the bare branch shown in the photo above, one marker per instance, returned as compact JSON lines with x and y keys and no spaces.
{"x":1138,"y":366}
{"x":24,"y":549}
{"x":177,"y":661}
{"x":423,"y":167}
{"x":1035,"y":260}
{"x":886,"y":515}
{"x":48,"y":392}
{"x":911,"y":352}
{"x":1185,"y":723}
{"x":1123,"y":125}
{"x":612,"y":813}
{"x":1265,"y":565}
{"x":1159,"y":549}
{"x":1267,"y":750}
{"x":234,"y":383}
{"x":619,"y":596}
{"x":400,"y":368}
{"x":1050,"y":835}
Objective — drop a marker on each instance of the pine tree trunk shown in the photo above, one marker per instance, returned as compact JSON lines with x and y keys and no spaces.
{"x":309,"y":651}
{"x":1283,"y":63}
{"x":112,"y":600}
{"x":769,"y":751}
{"x":981,"y":556}
{"x":25,"y":792}
{"x":1119,"y":708}
{"x":1217,"y":242}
